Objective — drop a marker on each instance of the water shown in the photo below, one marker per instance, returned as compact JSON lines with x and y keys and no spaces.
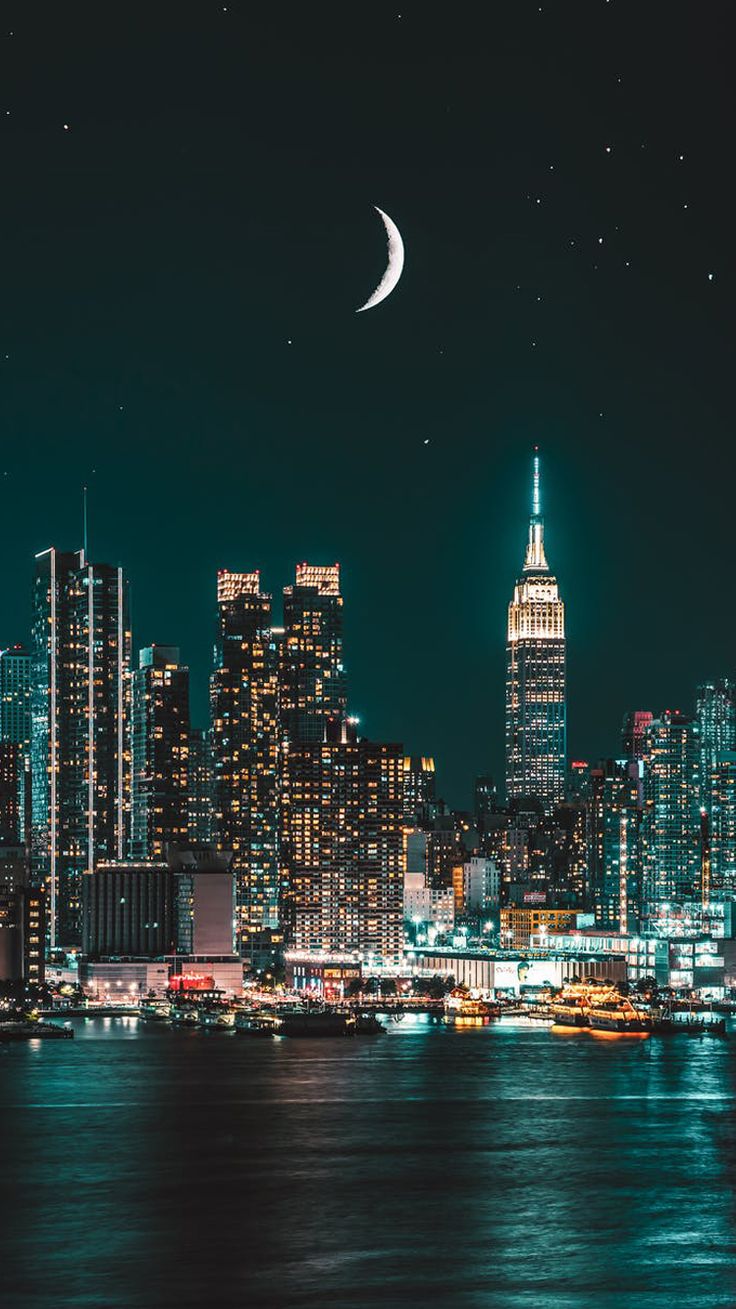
{"x":496,"y":1167}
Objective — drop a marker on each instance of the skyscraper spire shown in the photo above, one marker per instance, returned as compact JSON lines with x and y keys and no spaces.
{"x":535,"y":560}
{"x":536,"y":497}
{"x":535,"y":673}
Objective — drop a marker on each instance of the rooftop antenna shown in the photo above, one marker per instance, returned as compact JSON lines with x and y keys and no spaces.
{"x":84,"y":521}
{"x":536,"y":496}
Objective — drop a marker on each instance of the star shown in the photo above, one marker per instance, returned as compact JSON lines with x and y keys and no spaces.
{"x":426,"y":440}
{"x":289,"y":341}
{"x":608,"y":149}
{"x":66,"y":127}
{"x":600,"y":240}
{"x":711,"y":277}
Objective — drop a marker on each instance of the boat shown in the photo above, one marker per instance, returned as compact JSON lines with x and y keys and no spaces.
{"x":568,"y":1009}
{"x":460,"y":1005}
{"x":34,"y":1031}
{"x":155,"y":1011}
{"x":618,"y":1014}
{"x":216,"y":1018}
{"x":248,"y":1023}
{"x":184,"y":1015}
{"x":316,"y":1022}
{"x":368,"y":1025}
{"x":598,"y":1007}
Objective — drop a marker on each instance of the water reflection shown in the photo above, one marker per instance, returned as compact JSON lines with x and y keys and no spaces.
{"x":431,"y":1166}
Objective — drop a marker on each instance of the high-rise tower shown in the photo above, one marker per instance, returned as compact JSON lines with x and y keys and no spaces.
{"x":313,"y":681}
{"x":535,"y":674}
{"x":245,"y":748}
{"x":159,"y":809}
{"x":79,"y":749}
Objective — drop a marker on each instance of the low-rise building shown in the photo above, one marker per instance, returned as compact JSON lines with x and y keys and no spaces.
{"x":327,"y":976}
{"x":520,"y":923}
{"x":495,"y":972}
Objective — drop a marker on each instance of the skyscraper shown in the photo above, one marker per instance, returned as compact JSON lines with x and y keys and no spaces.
{"x":343,"y":845}
{"x":715,"y":710}
{"x":614,"y":843}
{"x":15,"y":727}
{"x":634,"y":732}
{"x":671,"y":820}
{"x":723,"y":826}
{"x":245,"y":748}
{"x":313,"y":681}
{"x":79,"y":752}
{"x":200,"y":787}
{"x":535,"y":674}
{"x":419,"y":787}
{"x":159,"y":730}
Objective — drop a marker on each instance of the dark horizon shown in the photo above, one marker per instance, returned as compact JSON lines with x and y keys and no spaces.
{"x":178,"y":332}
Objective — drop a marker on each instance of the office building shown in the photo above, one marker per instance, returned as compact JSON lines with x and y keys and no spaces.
{"x":22,"y":920}
{"x":313,"y":679}
{"x":636,"y":724}
{"x":525,"y":926}
{"x":535,"y":674}
{"x":159,"y":730}
{"x":11,"y":774}
{"x":200,"y":787}
{"x":183,"y":907}
{"x":671,"y":835}
{"x":245,"y":749}
{"x":715,"y":712}
{"x":79,"y":749}
{"x":480,"y":887}
{"x":342,"y":846}
{"x":722,"y":827}
{"x":419,"y":788}
{"x":15,"y":727}
{"x":614,"y":843}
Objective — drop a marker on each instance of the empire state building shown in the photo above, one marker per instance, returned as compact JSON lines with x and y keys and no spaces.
{"x":535,"y":674}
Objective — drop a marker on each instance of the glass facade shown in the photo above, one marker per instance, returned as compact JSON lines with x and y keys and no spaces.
{"x":614,"y":834}
{"x":79,"y":751}
{"x":313,"y":679}
{"x":671,"y":832}
{"x":245,"y":748}
{"x":159,"y":733}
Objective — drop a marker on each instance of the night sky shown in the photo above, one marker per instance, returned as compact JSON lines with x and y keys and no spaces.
{"x":187,"y":229}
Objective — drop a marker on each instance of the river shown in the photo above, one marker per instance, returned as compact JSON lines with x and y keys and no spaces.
{"x":502,"y":1166}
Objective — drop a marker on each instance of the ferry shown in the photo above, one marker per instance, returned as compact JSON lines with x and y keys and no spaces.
{"x":184,"y":1015}
{"x":568,"y":1009}
{"x":216,"y":1018}
{"x":618,"y":1014}
{"x":598,"y":1007}
{"x":155,"y":1011}
{"x":461,"y":1005}
{"x":253,"y":1023}
{"x":316,"y":1022}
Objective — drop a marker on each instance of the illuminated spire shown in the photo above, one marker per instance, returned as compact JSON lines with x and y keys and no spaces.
{"x":535,"y":560}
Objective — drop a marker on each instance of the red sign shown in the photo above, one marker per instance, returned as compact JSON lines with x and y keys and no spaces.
{"x":191,"y":982}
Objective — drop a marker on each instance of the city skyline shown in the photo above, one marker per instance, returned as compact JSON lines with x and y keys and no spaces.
{"x":459,"y":794}
{"x":216,"y":364}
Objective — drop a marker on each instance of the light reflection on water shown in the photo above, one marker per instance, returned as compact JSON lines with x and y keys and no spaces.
{"x":495,"y":1167}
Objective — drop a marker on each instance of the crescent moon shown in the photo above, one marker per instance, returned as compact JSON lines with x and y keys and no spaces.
{"x":394,"y":267}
